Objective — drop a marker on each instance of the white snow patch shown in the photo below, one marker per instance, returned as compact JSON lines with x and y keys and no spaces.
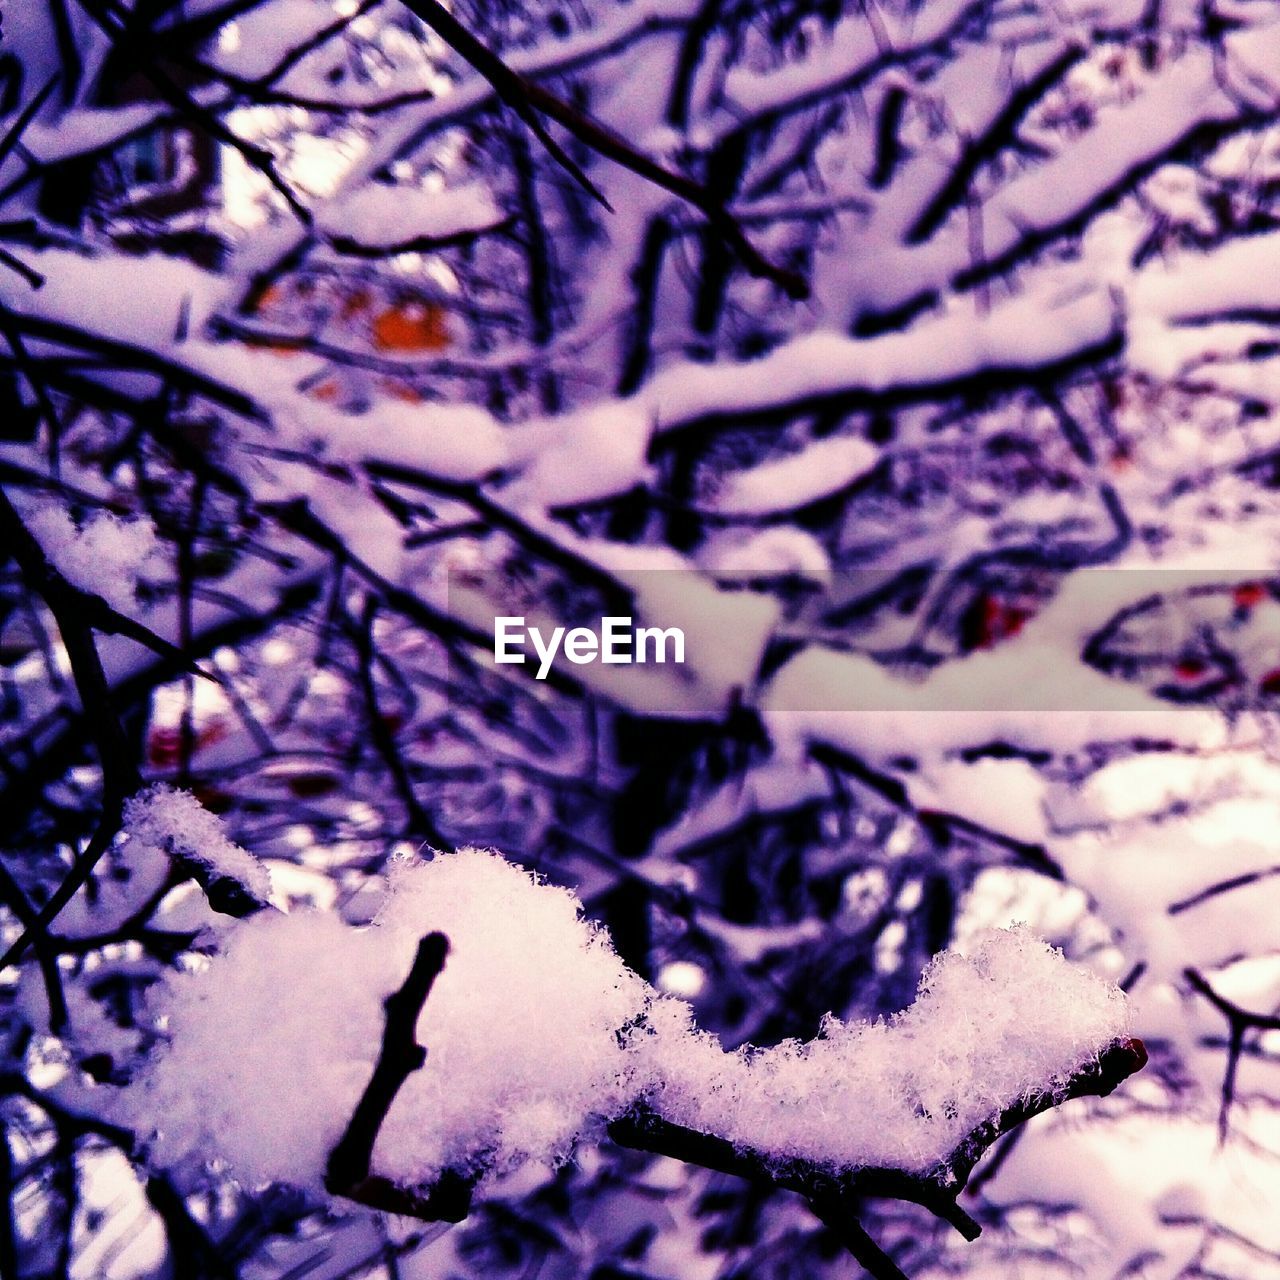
{"x":780,"y":550}
{"x":176,"y":823}
{"x":105,"y":555}
{"x":379,"y":214}
{"x":817,"y":471}
{"x":273,"y":1043}
{"x":1011,"y":1019}
{"x":519,"y":1028}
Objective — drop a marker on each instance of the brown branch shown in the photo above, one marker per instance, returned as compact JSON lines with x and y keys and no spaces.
{"x":348,"y":1173}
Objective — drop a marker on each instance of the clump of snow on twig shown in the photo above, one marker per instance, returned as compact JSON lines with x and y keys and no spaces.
{"x":381,"y":215}
{"x":104,"y":554}
{"x":986,"y":1030}
{"x":537,"y":1032}
{"x":272,"y":1046}
{"x":177,"y":824}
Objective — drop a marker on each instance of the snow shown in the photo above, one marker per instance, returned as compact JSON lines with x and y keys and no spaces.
{"x":88,"y":129}
{"x":820,"y":469}
{"x":176,"y":823}
{"x":768,"y":552}
{"x":1025,"y":333}
{"x":983,"y":1032}
{"x":381,"y":215}
{"x":261,"y":39}
{"x":536,"y":1032}
{"x":520,"y":1030}
{"x":104,"y":554}
{"x":854,"y":48}
{"x":1033,"y":690}
{"x":451,"y":442}
{"x":1143,"y":834}
{"x":1145,"y":1179}
{"x":583,"y":456}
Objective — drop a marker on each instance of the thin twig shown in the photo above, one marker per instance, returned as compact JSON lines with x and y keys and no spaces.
{"x":120,"y":777}
{"x":527,"y":99}
{"x":77,"y":614}
{"x":349,"y":1171}
{"x":1238,"y":1022}
{"x":419,"y":822}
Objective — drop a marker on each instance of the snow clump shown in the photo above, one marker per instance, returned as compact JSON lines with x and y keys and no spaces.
{"x":104,"y":555}
{"x":274,"y":1043}
{"x":1012,"y":1019}
{"x":537,"y":1033}
{"x":177,"y":824}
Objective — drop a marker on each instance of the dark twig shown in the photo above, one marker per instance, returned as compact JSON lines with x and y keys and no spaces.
{"x":13,"y":135}
{"x":349,"y":1170}
{"x":120,"y":777}
{"x":528,"y":99}
{"x":1239,"y":1021}
{"x":120,"y":357}
{"x":78,"y":614}
{"x":137,"y":46}
{"x":16,"y":265}
{"x":13,"y":896}
{"x":1222,"y":886}
{"x":855,"y":1238}
{"x":8,"y":1195}
{"x":419,"y":821}
{"x":834,"y":1197}
{"x":354,"y":247}
{"x":194,"y":1250}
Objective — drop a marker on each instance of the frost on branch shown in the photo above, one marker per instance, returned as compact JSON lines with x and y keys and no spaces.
{"x":537,"y":1033}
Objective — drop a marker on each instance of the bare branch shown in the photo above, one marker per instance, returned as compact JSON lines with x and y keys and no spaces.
{"x":349,"y":1170}
{"x":526,"y":99}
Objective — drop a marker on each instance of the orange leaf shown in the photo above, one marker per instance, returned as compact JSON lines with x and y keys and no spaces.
{"x":418,"y":326}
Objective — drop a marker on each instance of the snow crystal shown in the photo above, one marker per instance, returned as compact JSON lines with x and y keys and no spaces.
{"x":105,"y":555}
{"x":536,"y":1033}
{"x":1013,"y":1018}
{"x":177,"y":824}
